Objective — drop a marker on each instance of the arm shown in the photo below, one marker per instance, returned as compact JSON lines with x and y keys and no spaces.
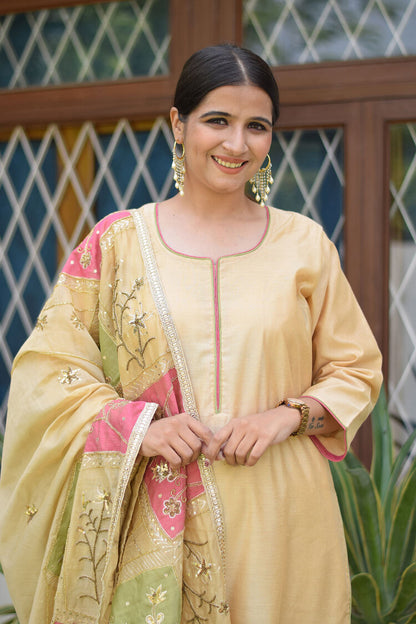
{"x":244,"y":440}
{"x":345,"y":373}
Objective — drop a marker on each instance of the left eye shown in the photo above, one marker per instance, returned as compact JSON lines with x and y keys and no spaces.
{"x":256,"y":125}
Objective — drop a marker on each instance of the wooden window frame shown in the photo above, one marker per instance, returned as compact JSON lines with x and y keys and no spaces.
{"x":362,"y":97}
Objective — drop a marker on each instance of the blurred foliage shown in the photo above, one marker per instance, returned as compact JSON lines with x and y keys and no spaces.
{"x":379,"y":515}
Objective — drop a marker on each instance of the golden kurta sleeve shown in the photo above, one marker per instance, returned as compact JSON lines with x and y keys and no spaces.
{"x":346,"y":359}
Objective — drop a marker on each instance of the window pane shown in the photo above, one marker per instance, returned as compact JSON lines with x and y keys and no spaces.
{"x":308,"y":172}
{"x":402,"y":358}
{"x":107,"y":41}
{"x":54,"y":185}
{"x":312,"y":31}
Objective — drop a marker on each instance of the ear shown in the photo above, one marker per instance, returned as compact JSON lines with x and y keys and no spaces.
{"x":177,"y":125}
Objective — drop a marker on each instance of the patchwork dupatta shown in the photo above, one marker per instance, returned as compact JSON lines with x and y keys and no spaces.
{"x":127,"y":540}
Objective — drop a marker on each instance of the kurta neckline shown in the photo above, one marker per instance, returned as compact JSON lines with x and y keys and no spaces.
{"x":192,"y":257}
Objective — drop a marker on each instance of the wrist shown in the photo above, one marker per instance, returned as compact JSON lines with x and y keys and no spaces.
{"x":303,"y":411}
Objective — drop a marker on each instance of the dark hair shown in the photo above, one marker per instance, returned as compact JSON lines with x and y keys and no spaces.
{"x":220,"y":66}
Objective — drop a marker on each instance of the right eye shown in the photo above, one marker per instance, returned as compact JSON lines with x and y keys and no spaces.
{"x":217,"y":121}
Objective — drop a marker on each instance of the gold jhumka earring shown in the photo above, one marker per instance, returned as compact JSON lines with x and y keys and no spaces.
{"x":261,"y":181}
{"x":178,"y":166}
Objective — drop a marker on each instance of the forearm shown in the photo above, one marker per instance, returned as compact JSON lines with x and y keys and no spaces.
{"x":320,"y":421}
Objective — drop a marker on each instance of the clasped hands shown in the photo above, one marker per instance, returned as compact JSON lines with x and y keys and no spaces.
{"x":180,"y":439}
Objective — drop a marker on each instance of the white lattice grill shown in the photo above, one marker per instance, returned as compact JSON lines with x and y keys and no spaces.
{"x":33,"y":190}
{"x":105,"y":41}
{"x":402,"y":358}
{"x":305,"y":163}
{"x":301,"y":31}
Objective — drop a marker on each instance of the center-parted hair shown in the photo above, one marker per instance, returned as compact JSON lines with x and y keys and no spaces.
{"x":221,"y":66}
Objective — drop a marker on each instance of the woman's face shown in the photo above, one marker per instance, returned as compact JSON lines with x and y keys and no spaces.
{"x":226,"y":138}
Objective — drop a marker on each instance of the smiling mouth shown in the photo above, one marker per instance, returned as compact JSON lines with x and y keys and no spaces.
{"x":228,"y":164}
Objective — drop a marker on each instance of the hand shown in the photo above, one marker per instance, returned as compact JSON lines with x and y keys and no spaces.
{"x":177,"y":438}
{"x":244,"y":440}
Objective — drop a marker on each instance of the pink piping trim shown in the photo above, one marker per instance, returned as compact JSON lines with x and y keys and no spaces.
{"x":215,"y":266}
{"x":321,"y":448}
{"x":217,"y":331}
{"x":240,"y":253}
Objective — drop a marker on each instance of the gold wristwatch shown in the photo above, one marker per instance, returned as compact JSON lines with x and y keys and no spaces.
{"x":304,"y":412}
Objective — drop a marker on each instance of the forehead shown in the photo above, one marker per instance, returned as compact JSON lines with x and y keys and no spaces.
{"x":244,"y":100}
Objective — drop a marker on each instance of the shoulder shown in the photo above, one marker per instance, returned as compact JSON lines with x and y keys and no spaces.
{"x":85,"y":261}
{"x":286,"y":223}
{"x":301,"y":239}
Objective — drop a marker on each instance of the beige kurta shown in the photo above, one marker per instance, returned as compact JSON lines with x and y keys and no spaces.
{"x":277,"y":321}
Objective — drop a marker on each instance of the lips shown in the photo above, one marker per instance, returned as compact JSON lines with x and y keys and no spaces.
{"x":229,"y":164}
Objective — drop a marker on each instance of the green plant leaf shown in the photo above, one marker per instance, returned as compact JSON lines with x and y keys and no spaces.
{"x":401,"y":542}
{"x":382,"y":460}
{"x":366,"y":597}
{"x":391,"y":493}
{"x":405,"y":600}
{"x":371,"y":522}
{"x":347,"y":503}
{"x":407,"y":620}
{"x":7,"y":610}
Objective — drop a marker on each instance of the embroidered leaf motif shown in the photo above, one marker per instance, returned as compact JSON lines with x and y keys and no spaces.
{"x":122,"y":312}
{"x":94,"y":523}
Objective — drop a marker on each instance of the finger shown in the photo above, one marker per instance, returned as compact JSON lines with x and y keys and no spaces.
{"x":172,"y":458}
{"x":243,"y":450}
{"x":231,"y":450}
{"x":203,"y":432}
{"x":256,"y":452}
{"x":217,"y":442}
{"x":185,"y":452}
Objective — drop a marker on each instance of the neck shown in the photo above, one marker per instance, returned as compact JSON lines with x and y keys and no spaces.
{"x":216,"y":207}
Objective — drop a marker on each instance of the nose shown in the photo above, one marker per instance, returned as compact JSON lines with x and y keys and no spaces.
{"x":235,"y":141}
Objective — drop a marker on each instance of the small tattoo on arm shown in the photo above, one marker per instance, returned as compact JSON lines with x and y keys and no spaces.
{"x":316,"y":423}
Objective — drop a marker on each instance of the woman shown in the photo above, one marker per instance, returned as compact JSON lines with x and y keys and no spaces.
{"x":157,"y":468}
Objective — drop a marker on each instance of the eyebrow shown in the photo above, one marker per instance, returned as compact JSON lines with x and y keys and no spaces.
{"x":224,"y":114}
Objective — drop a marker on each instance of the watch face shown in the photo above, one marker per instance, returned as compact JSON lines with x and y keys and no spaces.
{"x":295,"y":403}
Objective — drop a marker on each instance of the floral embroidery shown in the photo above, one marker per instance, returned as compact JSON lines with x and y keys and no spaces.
{"x":76,"y":321}
{"x":203,"y":570}
{"x":137,"y":322}
{"x":198,"y":601}
{"x":31,"y":511}
{"x":172,"y":507}
{"x":120,"y":310}
{"x":155,"y":597}
{"x":163,"y":471}
{"x":85,"y":259}
{"x":104,"y":496}
{"x":41,"y":322}
{"x":68,"y":376}
{"x":94,"y":524}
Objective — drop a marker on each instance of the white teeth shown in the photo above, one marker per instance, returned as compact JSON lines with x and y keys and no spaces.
{"x":230,"y":165}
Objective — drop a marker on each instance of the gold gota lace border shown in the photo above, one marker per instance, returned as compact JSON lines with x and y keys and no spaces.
{"x":178,"y":356}
{"x":135,"y":441}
